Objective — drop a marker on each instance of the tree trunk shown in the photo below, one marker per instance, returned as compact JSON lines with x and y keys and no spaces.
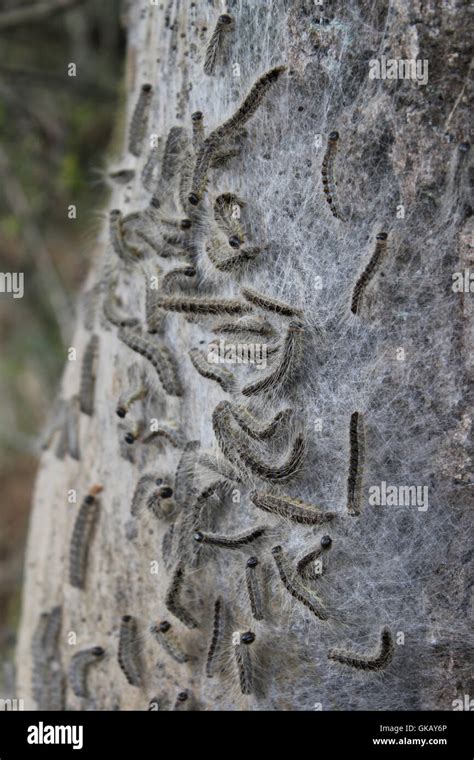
{"x":398,"y":563}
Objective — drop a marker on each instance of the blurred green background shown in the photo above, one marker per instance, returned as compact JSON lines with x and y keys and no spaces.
{"x":56,"y":133}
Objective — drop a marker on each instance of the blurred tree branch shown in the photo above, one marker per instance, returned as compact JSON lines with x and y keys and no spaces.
{"x":32,"y":14}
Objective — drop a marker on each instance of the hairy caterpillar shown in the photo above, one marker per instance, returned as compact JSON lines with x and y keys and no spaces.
{"x":173,"y":277}
{"x":167,"y":547}
{"x":147,"y":175}
{"x":78,"y":667}
{"x":202,"y":305}
{"x":294,"y":586}
{"x":141,"y":489}
{"x":175,"y":144}
{"x":112,"y":312}
{"x":184,"y":477}
{"x":88,"y":376}
{"x":68,"y":442}
{"x":172,"y":598}
{"x":136,"y":392}
{"x":122,"y":176}
{"x":243,"y":660}
{"x":292,"y":509}
{"x":233,"y":446}
{"x":223,"y":25}
{"x":369,"y":271}
{"x":283,"y":370}
{"x":251,"y":426}
{"x":215,"y":139}
{"x":158,"y":356}
{"x":245,"y":326}
{"x":305,"y":566}
{"x":270,"y":304}
{"x":128,"y":657}
{"x":135,"y":429}
{"x":327,"y":171}
{"x":123,"y":250}
{"x":376,"y":661}
{"x":226,"y":218}
{"x":221,"y":467}
{"x":154,"y":317}
{"x":170,"y":434}
{"x":182,"y":701}
{"x":220,"y":375}
{"x":81,"y":539}
{"x":356,"y":463}
{"x":161,"y":504}
{"x":225,"y":260}
{"x":139,"y":120}
{"x":198,"y":128}
{"x":230,"y":542}
{"x":218,"y":630}
{"x":47,"y":679}
{"x":165,"y":636}
{"x":253,"y":588}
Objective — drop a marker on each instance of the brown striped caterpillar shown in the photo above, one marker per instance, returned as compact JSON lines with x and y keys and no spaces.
{"x":218,"y":631}
{"x":230,"y":542}
{"x":221,"y":467}
{"x":291,"y":509}
{"x":227,"y":215}
{"x":245,"y":326}
{"x":369,"y":271}
{"x":202,"y":306}
{"x":81,"y":538}
{"x":220,"y":375}
{"x":171,"y":434}
{"x":137,"y":391}
{"x":233,"y":447}
{"x":148,"y":171}
{"x":356,"y":463}
{"x":224,"y":24}
{"x":226,"y":259}
{"x":253,"y":588}
{"x":158,"y":356}
{"x":139,"y":122}
{"x":172,"y":599}
{"x":215,"y":139}
{"x":88,"y":376}
{"x":166,"y":637}
{"x":258,"y":431}
{"x":243,"y":659}
{"x":286,"y":366}
{"x":270,"y":304}
{"x":305,"y":566}
{"x":47,"y":678}
{"x":123,"y":250}
{"x":327,"y":171}
{"x":198,"y":129}
{"x":175,"y":144}
{"x":376,"y":661}
{"x":128,"y":654}
{"x":294,"y":586}
{"x":78,"y":668}
{"x":174,"y":276}
{"x":184,"y":477}
{"x":167,"y":547}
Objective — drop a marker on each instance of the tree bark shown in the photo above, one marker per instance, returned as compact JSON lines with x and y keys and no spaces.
{"x":402,"y":168}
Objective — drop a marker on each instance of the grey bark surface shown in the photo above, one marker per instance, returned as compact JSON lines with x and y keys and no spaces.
{"x":401,"y":143}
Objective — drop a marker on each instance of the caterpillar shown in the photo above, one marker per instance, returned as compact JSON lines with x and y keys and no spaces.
{"x":253,"y":588}
{"x":112,"y":312}
{"x":88,"y":376}
{"x":356,"y":463}
{"x":184,"y":477}
{"x":174,"y":276}
{"x":175,"y":144}
{"x":220,"y":375}
{"x":251,"y":426}
{"x":170,"y":434}
{"x":123,"y":250}
{"x":148,"y":170}
{"x":198,"y":128}
{"x":172,"y":598}
{"x":227,"y":220}
{"x":164,"y":635}
{"x":230,"y":542}
{"x":225,"y":260}
{"x":182,"y":701}
{"x":154,"y":317}
{"x":305,"y":566}
{"x":141,"y":489}
{"x":270,"y":304}
{"x":327,"y":171}
{"x":243,"y":659}
{"x":369,"y":271}
{"x":78,"y":667}
{"x":68,"y":442}
{"x":81,"y":538}
{"x":161,"y":504}
{"x":233,"y":447}
{"x":218,"y":630}
{"x":215,"y":139}
{"x":134,"y":431}
{"x":47,"y":678}
{"x":122,"y":176}
{"x":137,"y":391}
{"x":223,"y":25}
{"x":139,"y":120}
{"x":284,"y":369}
{"x":128,"y":657}
{"x":244,"y":326}
{"x":376,"y":661}
{"x":202,"y":306}
{"x":221,"y":467}
{"x":292,"y":509}
{"x":294,"y":586}
{"x":158,"y":356}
